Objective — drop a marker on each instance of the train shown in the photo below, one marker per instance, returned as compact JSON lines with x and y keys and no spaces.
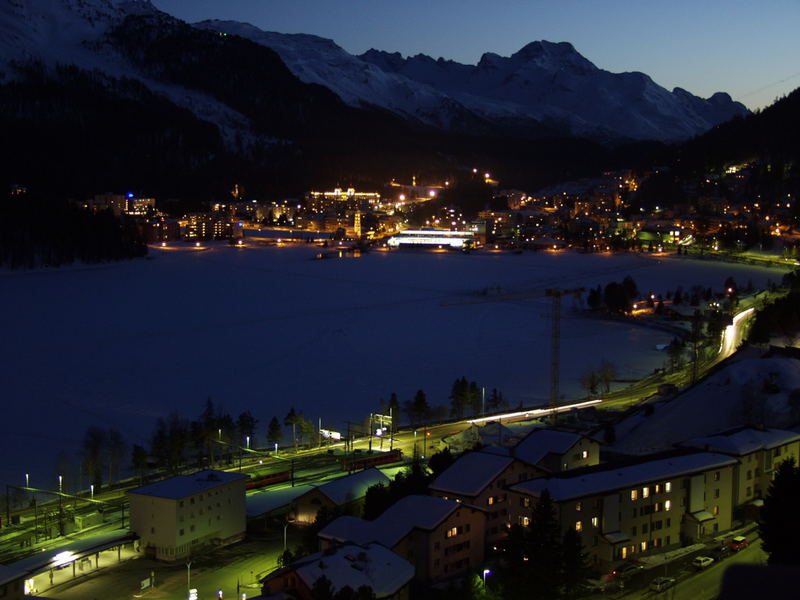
{"x":259,"y":481}
{"x":358,"y":463}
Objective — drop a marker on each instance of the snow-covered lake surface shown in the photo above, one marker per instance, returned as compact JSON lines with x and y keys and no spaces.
{"x":266,"y":329}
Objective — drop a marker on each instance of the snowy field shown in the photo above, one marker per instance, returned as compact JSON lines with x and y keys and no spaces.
{"x":265,"y":329}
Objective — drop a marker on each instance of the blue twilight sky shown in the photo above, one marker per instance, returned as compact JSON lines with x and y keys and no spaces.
{"x":748,"y":49}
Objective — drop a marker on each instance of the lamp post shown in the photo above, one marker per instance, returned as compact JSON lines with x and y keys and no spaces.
{"x":485,"y":573}
{"x":91,"y":490}
{"x":188,"y":578}
{"x":27,"y":480}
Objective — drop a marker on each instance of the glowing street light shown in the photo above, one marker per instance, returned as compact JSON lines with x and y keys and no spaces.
{"x":27,"y":480}
{"x":485,"y":573}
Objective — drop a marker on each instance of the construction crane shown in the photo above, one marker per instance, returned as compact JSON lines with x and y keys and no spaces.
{"x":555,"y":320}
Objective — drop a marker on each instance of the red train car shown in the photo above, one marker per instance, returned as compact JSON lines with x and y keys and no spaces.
{"x":260,"y":481}
{"x":357,"y":463}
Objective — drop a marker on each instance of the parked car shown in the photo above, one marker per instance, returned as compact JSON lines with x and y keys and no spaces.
{"x":626,"y":570}
{"x":596,"y":585}
{"x":720,"y":553}
{"x":659,"y":584}
{"x":701,"y":562}
{"x":737,"y":543}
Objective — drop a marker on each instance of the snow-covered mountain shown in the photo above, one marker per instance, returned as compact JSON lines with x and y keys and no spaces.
{"x":76,"y":32}
{"x":544,"y":82}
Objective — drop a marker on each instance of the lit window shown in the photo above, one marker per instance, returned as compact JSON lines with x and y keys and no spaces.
{"x":578,"y":525}
{"x":644,"y":546}
{"x":646,"y":492}
{"x":595,"y":521}
{"x":667,"y":504}
{"x":634,"y":494}
{"x":657,"y":507}
{"x":585,"y":454}
{"x":716,"y":509}
{"x":579,"y":506}
{"x":452,"y":532}
{"x":658,"y":489}
{"x":524,"y":521}
{"x":668,"y":486}
{"x":491,"y":500}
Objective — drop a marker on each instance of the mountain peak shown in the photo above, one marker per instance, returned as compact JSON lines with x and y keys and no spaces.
{"x":545,"y":48}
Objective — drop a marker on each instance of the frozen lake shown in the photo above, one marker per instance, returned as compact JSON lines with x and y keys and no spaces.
{"x":265,"y":329}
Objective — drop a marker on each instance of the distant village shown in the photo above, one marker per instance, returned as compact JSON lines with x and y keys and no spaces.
{"x":719,"y":212}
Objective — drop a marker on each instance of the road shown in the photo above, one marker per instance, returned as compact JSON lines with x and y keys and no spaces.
{"x":703,"y":585}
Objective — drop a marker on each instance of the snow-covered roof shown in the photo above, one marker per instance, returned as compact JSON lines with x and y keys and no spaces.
{"x":266,"y":501}
{"x":46,"y":559}
{"x":352,"y":487}
{"x":182,"y":486}
{"x":471,"y":473}
{"x":396,"y":522}
{"x":355,"y":566}
{"x":744,"y":441}
{"x":595,"y":482}
{"x":541,"y":442}
{"x":731,"y":397}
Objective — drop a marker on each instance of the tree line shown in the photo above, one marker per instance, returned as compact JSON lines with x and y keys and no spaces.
{"x":35,"y":232}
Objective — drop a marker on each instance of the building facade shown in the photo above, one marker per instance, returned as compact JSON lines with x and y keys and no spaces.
{"x":177,"y":517}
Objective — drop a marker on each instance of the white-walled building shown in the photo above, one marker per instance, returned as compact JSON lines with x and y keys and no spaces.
{"x":180,"y":515}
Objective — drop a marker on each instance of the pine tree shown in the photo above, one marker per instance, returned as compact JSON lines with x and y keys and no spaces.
{"x":575,"y":570}
{"x":274,"y":432}
{"x":779,"y":523}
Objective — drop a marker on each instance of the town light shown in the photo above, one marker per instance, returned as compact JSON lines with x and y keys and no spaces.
{"x":485,"y":573}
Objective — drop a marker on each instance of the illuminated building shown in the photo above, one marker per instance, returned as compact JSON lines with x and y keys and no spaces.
{"x":434,"y":237}
{"x":204,"y":226}
{"x":340,"y":201}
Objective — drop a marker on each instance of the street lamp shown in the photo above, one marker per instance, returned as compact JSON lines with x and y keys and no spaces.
{"x":189,"y":576}
{"x":247,"y":438}
{"x":91,"y":490}
{"x":27,"y":480}
{"x":285,"y":525}
{"x":60,"y":481}
{"x":485,"y":573}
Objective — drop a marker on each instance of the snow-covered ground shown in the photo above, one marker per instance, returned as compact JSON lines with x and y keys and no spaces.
{"x":265,"y":329}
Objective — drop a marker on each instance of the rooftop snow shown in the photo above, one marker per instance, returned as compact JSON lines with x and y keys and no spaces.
{"x":263,"y":502}
{"x":396,"y":522}
{"x":541,"y":442}
{"x":727,"y":399}
{"x":600,"y":482}
{"x":351,"y":487}
{"x":744,"y":441}
{"x":40,"y":561}
{"x":182,"y":486}
{"x":471,"y":473}
{"x":355,"y":566}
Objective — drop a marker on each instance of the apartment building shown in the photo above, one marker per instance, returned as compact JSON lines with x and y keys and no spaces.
{"x":178,"y":516}
{"x":622,"y":509}
{"x":442,"y":538}
{"x":759,"y":452}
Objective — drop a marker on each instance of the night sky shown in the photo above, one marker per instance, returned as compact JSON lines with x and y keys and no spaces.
{"x":748,"y":49}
